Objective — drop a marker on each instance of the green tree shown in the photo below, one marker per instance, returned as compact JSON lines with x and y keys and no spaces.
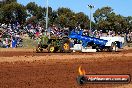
{"x":64,"y":16}
{"x":68,"y":18}
{"x":32,"y":8}
{"x":13,"y":12}
{"x":118,"y":23}
{"x":101,"y":16}
{"x":82,"y":19}
{"x":3,"y":2}
{"x":38,"y":13}
{"x":129,"y":23}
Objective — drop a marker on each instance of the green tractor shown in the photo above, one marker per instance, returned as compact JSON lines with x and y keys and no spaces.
{"x":53,"y":44}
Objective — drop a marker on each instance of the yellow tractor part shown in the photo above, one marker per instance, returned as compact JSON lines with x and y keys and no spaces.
{"x":52,"y":49}
{"x":66,"y":46}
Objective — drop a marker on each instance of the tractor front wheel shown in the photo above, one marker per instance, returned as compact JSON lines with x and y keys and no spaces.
{"x":39,"y":49}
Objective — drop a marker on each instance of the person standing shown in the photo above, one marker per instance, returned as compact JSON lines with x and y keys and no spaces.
{"x":14,"y":42}
{"x":7,"y":43}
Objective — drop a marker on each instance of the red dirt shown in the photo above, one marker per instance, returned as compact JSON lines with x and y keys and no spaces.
{"x":41,"y":71}
{"x":10,"y":53}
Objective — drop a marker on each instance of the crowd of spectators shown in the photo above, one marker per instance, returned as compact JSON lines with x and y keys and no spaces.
{"x":11,"y":34}
{"x":100,"y":33}
{"x":129,"y":37}
{"x":58,"y":31}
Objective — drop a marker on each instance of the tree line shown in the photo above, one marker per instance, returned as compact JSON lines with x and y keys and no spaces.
{"x":104,"y":18}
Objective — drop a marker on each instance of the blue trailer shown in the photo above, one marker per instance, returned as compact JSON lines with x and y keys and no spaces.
{"x":82,"y":42}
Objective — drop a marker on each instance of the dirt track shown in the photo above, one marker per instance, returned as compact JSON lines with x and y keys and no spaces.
{"x":27,"y":69}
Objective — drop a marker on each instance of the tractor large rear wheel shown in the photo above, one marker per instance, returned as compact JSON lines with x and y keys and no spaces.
{"x":66,"y":46}
{"x":51,"y":49}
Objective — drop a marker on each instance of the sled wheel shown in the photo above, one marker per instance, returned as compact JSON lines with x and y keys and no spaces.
{"x":113,"y":47}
